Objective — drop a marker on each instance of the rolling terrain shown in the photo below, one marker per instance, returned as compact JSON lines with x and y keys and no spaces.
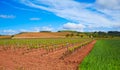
{"x":42,"y":35}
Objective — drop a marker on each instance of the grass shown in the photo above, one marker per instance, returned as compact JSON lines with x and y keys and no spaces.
{"x":104,"y":56}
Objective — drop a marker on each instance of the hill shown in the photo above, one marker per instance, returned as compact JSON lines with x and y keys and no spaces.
{"x":5,"y":36}
{"x":41,"y":35}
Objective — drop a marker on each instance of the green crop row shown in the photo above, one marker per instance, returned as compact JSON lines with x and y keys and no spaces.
{"x":39,"y":43}
{"x":72,"y":49}
{"x":75,"y":47}
{"x":104,"y":56}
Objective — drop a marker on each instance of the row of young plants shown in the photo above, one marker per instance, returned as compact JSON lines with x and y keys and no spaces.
{"x":104,"y":56}
{"x":82,"y":44}
{"x":39,"y":43}
{"x":75,"y":47}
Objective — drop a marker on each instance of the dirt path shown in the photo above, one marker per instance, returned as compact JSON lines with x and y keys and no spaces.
{"x":39,"y":59}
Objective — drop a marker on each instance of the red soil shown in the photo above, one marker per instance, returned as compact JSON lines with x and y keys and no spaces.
{"x":5,"y":37}
{"x":42,"y":35}
{"x":39,"y":59}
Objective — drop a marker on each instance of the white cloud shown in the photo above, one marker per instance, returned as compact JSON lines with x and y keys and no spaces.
{"x":37,"y":29}
{"x":102,"y":13}
{"x":7,"y":16}
{"x":73,"y":26}
{"x":8,"y":32}
{"x":34,"y":29}
{"x":109,"y":4}
{"x":24,"y":30}
{"x":44,"y":28}
{"x":35,"y":18}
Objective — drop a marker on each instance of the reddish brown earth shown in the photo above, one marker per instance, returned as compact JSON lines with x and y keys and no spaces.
{"x":42,"y":35}
{"x":39,"y":59}
{"x":5,"y":37}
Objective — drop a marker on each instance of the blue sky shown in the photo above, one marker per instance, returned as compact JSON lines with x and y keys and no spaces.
{"x":53,"y":15}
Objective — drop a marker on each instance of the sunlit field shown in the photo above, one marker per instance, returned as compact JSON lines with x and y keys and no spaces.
{"x":52,"y":43}
{"x":104,"y":56}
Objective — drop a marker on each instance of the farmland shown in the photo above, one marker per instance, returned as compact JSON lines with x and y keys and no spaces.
{"x":104,"y":56}
{"x":63,"y":53}
{"x":32,"y":54}
{"x":59,"y":35}
{"x":46,"y":43}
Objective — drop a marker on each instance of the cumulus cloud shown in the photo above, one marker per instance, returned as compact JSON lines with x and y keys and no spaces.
{"x":35,"y":18}
{"x":73,"y":26}
{"x":102,"y":13}
{"x":24,"y":30}
{"x":44,"y":28}
{"x":8,"y":32}
{"x":34,"y":29}
{"x":7,"y":16}
{"x":37,"y":29}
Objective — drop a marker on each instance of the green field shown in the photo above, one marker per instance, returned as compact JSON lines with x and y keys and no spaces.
{"x":104,"y":56}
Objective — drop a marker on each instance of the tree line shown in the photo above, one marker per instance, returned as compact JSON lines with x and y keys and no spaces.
{"x":95,"y":34}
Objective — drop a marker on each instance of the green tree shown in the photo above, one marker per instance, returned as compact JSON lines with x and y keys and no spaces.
{"x":71,"y":34}
{"x":67,"y":35}
{"x":77,"y":34}
{"x":81,"y":36}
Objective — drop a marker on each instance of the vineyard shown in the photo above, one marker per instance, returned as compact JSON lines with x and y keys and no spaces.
{"x":62,"y":53}
{"x":104,"y":56}
{"x":47,"y":44}
{"x":32,"y":54}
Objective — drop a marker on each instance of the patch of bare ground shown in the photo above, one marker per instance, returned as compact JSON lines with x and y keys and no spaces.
{"x":40,"y":59}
